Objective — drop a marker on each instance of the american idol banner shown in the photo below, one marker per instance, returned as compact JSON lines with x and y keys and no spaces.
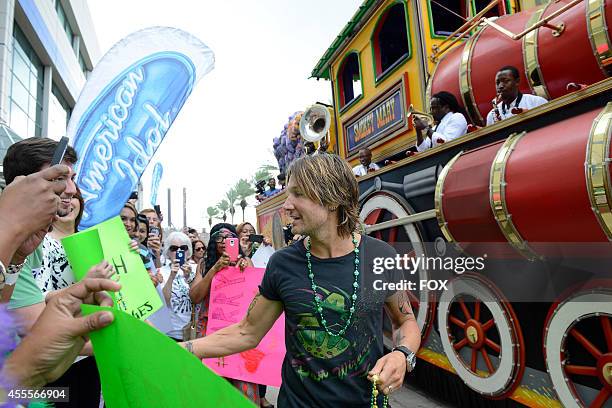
{"x":158,"y":172}
{"x":125,"y":109}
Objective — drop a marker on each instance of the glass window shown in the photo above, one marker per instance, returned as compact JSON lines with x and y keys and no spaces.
{"x":494,"y":12}
{"x":390,"y":39}
{"x":21,"y":69}
{"x":61,"y":15}
{"x":82,"y":64}
{"x":26,"y":87}
{"x":59,"y":114}
{"x":447,"y":15}
{"x":349,"y":79}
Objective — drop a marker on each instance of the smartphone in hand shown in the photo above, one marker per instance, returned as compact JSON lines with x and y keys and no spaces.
{"x":154,"y":231}
{"x":180,"y":256}
{"x":60,"y":151}
{"x":232,"y":249}
{"x":256,"y":238}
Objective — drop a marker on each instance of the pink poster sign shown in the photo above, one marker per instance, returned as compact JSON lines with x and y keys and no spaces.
{"x":231,"y":293}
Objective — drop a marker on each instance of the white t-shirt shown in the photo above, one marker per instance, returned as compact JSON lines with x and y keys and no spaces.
{"x":362,"y":171}
{"x":528,"y":101}
{"x":178,"y":312}
{"x":452,"y":125}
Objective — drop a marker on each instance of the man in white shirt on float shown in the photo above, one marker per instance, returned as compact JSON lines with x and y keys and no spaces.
{"x":448,"y":116}
{"x":510,"y":101}
{"x":366,"y":166}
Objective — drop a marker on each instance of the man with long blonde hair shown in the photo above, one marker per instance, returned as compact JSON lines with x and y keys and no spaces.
{"x":331,"y":296}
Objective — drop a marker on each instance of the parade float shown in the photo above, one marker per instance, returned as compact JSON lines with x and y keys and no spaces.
{"x":535,"y":186}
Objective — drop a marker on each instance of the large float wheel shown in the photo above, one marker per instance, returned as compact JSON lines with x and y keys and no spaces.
{"x":385,"y":206}
{"x":578,"y":348}
{"x":481,"y":336}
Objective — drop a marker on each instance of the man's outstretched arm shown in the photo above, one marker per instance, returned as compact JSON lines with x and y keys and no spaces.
{"x":241,"y":336}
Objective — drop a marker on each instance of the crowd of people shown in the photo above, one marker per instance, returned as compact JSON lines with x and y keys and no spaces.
{"x":44,"y":336}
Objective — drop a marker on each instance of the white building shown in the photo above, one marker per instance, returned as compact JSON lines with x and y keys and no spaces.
{"x":47,"y":49}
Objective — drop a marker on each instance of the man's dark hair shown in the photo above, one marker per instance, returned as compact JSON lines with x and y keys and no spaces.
{"x":192,"y":231}
{"x":448,"y":99}
{"x":514,"y":70}
{"x":29,"y":155}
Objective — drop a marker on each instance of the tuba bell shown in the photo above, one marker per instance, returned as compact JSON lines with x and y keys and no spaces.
{"x":315,"y":123}
{"x":426,"y":117}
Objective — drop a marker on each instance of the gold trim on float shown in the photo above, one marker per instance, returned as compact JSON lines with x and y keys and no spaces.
{"x":598,"y":35}
{"x":597,"y":169}
{"x":497,"y":197}
{"x":428,"y":88}
{"x":438,"y":199}
{"x":465,"y":79}
{"x":533,"y":72}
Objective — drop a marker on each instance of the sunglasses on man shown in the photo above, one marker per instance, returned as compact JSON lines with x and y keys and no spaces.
{"x":174,"y":248}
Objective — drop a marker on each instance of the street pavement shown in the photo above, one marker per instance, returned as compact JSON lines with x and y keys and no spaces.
{"x":407,"y":397}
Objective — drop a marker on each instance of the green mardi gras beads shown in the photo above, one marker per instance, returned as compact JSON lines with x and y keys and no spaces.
{"x":317,"y":301}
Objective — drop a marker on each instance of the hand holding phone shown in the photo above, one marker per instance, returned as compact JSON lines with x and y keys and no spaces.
{"x":60,"y":151}
{"x":256,"y":238}
{"x":180,"y":256}
{"x":232,"y":248}
{"x":154,"y":231}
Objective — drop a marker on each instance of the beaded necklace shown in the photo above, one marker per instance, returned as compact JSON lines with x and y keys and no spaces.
{"x":375,"y":394}
{"x":318,"y":302}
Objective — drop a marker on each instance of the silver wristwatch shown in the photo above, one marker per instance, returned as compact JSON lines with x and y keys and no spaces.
{"x":8,"y":276}
{"x":410,"y":356}
{"x":2,"y":273}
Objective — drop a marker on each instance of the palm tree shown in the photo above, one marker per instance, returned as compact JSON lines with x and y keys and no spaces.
{"x":231,"y":199}
{"x":212,"y":212}
{"x":264,"y":172}
{"x":243,"y":190}
{"x":268,"y":167}
{"x":223,"y":206}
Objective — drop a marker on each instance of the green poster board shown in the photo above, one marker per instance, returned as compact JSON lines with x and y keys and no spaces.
{"x":109,"y":240}
{"x":141,"y":367}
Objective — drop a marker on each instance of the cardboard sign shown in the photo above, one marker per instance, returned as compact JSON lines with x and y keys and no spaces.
{"x":110,"y":241}
{"x":231,"y":293}
{"x":141,"y":367}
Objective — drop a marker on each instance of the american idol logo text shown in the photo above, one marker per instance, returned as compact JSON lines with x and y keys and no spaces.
{"x":120,"y":132}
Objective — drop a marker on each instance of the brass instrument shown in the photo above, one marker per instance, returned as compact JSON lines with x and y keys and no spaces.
{"x":315,"y":123}
{"x":425,"y":117}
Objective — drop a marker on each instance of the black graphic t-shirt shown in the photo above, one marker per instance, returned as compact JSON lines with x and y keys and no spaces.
{"x":321,"y":370}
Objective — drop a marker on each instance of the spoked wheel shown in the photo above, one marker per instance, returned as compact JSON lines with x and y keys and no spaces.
{"x":385,"y":206}
{"x":481,"y":336}
{"x":578,"y":349}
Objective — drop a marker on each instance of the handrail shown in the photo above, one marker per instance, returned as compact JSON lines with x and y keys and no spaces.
{"x":557,"y":30}
{"x":478,"y":19}
{"x":467,"y":26}
{"x":409,"y":219}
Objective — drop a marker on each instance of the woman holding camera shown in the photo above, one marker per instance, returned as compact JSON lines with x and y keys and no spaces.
{"x":245,"y":230}
{"x":178,"y":275}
